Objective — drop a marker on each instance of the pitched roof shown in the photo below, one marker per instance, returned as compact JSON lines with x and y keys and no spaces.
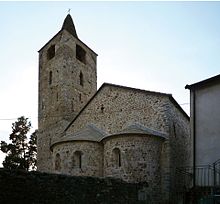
{"x":69,"y":26}
{"x":93,"y":134}
{"x":133,"y":89}
{"x":89,"y":133}
{"x":139,"y":129}
{"x":204,"y":83}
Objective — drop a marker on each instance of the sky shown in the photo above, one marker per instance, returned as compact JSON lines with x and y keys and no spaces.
{"x":156,"y":46}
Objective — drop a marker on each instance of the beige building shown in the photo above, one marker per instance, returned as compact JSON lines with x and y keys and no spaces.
{"x":115,"y":131}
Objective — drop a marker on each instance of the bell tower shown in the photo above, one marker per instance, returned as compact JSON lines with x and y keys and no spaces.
{"x":67,"y":80}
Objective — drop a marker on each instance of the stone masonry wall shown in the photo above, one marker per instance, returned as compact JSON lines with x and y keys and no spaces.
{"x":176,"y":151}
{"x":34,"y":187}
{"x":91,"y":158}
{"x":61,"y":96}
{"x":116,"y":108}
{"x":140,"y":157}
{"x":44,"y":141}
{"x":180,"y":148}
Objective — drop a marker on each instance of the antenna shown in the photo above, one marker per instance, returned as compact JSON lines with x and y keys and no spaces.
{"x":69,"y":11}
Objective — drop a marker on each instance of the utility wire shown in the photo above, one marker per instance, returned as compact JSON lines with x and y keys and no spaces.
{"x":54,"y":116}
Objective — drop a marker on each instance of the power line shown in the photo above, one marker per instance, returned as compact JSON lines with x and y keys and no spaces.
{"x":8,"y":118}
{"x":182,"y":104}
{"x":54,"y":116}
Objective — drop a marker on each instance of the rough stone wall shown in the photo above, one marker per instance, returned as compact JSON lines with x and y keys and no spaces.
{"x":181,"y":148}
{"x":61,"y":98}
{"x":61,"y":93}
{"x":91,"y":158}
{"x":176,"y":150}
{"x":180,"y":139}
{"x":140,"y":161}
{"x":115,"y":108}
{"x":44,"y":140}
{"x":35,"y":187}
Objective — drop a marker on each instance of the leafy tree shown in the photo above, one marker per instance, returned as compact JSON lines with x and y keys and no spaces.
{"x":21,"y":153}
{"x":32,"y":151}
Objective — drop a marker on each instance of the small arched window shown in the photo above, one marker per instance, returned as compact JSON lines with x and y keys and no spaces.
{"x":117,"y":157}
{"x":57,"y":162}
{"x":77,"y":159}
{"x":50,"y":77}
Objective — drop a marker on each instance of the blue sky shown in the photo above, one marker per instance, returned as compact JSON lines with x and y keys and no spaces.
{"x":158,"y":46}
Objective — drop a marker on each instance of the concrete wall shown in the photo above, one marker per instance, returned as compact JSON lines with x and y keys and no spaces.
{"x":207,"y":128}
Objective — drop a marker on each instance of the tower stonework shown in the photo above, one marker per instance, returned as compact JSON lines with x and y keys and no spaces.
{"x":67,"y":80}
{"x":136,"y":135}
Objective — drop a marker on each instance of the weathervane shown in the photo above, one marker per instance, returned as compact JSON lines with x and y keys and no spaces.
{"x":69,"y":10}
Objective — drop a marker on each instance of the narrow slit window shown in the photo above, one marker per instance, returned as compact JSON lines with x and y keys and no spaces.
{"x":78,"y":159}
{"x":72,"y":106}
{"x":174,"y":130}
{"x":57,"y":96}
{"x":117,"y":157}
{"x":81,"y":78}
{"x":57,"y":162}
{"x":42,"y":105}
{"x":51,"y":52}
{"x":80,"y":54}
{"x":50,"y":77}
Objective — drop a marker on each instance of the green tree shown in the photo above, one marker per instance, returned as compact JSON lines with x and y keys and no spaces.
{"x":20,"y":153}
{"x":32,"y":151}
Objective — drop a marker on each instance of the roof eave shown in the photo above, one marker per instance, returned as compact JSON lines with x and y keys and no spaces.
{"x":203,"y":83}
{"x":49,"y":41}
{"x":129,"y":134}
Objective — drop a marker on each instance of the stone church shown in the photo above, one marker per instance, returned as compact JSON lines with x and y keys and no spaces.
{"x":115,"y":131}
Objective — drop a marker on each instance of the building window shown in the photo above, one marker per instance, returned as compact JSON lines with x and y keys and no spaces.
{"x":77,"y":159}
{"x":80,"y":54}
{"x":57,"y":96}
{"x":102,"y":108}
{"x":57,"y":162}
{"x":42,"y":105}
{"x":174,"y":130}
{"x":72,"y":106}
{"x":117,"y":157}
{"x":51,"y":52}
{"x":81,"y":78}
{"x":50,"y":77}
